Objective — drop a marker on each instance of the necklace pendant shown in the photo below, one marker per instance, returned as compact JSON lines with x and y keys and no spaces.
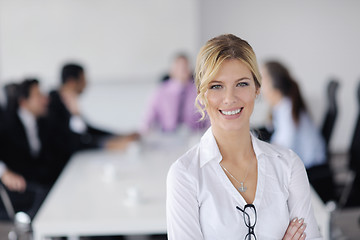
{"x":242,"y":188}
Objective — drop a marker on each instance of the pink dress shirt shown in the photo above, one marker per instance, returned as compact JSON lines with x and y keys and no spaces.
{"x":172,"y":105}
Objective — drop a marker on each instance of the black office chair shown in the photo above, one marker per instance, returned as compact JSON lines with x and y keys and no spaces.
{"x":11,"y":94}
{"x":351,"y":194}
{"x":354,"y":161}
{"x":21,"y":228}
{"x":321,"y":177}
{"x":332,"y":111}
{"x":8,"y":207}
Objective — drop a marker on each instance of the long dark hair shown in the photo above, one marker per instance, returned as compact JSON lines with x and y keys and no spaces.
{"x":283,"y":81}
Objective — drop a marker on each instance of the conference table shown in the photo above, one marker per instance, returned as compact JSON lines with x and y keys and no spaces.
{"x":112,"y":193}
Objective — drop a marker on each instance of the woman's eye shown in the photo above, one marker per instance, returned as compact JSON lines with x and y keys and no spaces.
{"x":215,"y":87}
{"x":242,"y":84}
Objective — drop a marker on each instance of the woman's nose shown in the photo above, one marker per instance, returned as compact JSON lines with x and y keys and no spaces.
{"x":230,"y":96}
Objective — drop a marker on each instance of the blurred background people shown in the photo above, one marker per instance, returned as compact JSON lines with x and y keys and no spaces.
{"x":172,"y":104}
{"x":293,"y":127}
{"x":291,"y":122}
{"x":69,"y":130}
{"x":26,"y":169}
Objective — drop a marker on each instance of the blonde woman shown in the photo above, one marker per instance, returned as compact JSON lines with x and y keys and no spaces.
{"x":232,"y":185}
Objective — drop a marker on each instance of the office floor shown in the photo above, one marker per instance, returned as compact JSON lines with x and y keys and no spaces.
{"x":5,"y":228}
{"x":345,"y":222}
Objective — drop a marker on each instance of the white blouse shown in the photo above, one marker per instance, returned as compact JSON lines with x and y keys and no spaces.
{"x":201,"y":200}
{"x":303,"y":138}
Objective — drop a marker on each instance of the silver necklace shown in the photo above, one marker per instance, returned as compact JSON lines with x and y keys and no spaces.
{"x":242,"y":188}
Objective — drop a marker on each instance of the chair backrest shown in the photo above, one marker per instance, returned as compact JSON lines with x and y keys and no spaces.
{"x":7,"y":202}
{"x":332,"y":111}
{"x":355,"y":142}
{"x":11,"y":92}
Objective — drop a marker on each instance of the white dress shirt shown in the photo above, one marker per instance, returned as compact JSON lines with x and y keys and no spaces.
{"x":201,"y":200}
{"x":303,"y":138}
{"x":3,"y":100}
{"x":2,"y":168}
{"x":2,"y":104}
{"x":31,"y":129}
{"x":77,"y":124}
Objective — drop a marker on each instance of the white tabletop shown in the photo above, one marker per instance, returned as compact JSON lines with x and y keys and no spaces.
{"x":110,"y":193}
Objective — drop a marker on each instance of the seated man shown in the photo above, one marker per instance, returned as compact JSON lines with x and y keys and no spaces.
{"x":173,"y":103}
{"x":26,"y":169}
{"x":68,"y":128}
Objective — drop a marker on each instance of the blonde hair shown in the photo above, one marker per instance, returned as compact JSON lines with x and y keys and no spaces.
{"x":213,"y":54}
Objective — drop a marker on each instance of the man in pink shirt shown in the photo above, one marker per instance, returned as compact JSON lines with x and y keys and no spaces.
{"x":173,"y":103}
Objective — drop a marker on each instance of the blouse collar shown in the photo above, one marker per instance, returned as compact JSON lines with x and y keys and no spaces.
{"x":209,"y":150}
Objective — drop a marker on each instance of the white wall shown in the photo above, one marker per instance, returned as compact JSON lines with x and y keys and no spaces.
{"x":315,"y":39}
{"x":115,"y":39}
{"x":127,"y":44}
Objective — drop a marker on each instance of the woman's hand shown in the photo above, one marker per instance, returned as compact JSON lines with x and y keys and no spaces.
{"x":295,"y":230}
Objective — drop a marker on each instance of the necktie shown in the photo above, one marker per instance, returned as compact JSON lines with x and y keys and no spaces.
{"x":34,"y":140}
{"x":182,"y":98}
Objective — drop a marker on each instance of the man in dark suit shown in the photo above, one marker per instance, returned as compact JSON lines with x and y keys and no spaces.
{"x":26,"y":165}
{"x":69,"y":130}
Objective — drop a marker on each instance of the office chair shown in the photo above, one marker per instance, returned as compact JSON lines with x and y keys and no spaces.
{"x":7,"y":202}
{"x":355,"y":143}
{"x":11,"y":94}
{"x":350,"y":192}
{"x":332,"y":111}
{"x":21,"y":221}
{"x":321,"y":176}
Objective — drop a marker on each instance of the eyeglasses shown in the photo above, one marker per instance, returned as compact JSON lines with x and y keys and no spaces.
{"x":250,"y":218}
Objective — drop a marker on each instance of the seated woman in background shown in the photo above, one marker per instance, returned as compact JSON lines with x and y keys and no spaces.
{"x":291,"y":122}
{"x":172,"y":104}
{"x":232,"y":185}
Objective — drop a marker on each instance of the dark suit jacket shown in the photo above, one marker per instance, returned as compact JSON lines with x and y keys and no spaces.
{"x":3,"y":113}
{"x":16,"y":153}
{"x":64,"y":142}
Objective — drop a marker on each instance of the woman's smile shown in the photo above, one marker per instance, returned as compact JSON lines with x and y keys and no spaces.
{"x":231,"y":114}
